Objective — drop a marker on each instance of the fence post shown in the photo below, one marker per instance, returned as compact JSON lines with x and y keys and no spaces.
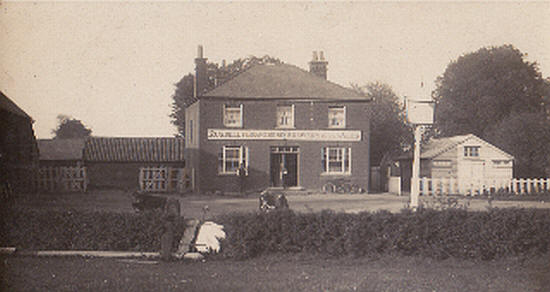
{"x":193,"y":178}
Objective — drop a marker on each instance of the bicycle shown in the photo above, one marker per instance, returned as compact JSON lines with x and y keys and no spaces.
{"x":342,"y":186}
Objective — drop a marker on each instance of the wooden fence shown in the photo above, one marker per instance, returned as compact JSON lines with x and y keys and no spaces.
{"x":66,"y":179}
{"x":166,"y":179}
{"x":444,"y":186}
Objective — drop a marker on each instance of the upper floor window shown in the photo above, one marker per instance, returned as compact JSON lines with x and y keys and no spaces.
{"x":337,"y":117}
{"x":233,"y":115}
{"x":285,"y":116}
{"x":471,"y":151}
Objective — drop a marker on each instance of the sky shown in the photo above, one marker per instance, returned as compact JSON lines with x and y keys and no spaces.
{"x":113,"y":65}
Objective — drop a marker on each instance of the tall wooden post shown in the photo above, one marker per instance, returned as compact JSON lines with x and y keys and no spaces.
{"x":416,"y":168}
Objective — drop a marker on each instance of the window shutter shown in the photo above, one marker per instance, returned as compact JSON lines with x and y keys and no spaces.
{"x":246,"y":157}
{"x":324,"y":159}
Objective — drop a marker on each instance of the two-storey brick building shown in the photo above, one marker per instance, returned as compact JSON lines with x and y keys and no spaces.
{"x":284,"y":126}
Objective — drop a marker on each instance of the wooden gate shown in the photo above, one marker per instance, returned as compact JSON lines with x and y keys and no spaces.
{"x":166,"y":179}
{"x":68,"y":179}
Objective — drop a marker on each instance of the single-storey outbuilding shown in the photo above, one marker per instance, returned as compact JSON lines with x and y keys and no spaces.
{"x":466,"y":158}
{"x":61,"y":152}
{"x":115,"y":162}
{"x":18,"y":149}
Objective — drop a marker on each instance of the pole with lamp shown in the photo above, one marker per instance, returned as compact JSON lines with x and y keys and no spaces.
{"x":420,"y":113}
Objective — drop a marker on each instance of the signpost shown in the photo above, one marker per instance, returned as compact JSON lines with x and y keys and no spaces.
{"x":419,"y":113}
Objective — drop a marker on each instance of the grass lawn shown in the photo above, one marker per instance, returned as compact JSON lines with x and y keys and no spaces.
{"x":274,"y":273}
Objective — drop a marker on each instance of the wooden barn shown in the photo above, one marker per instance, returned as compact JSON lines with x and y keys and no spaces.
{"x":466,"y":158}
{"x":18,"y":149}
{"x":115,"y":162}
{"x":61,"y":152}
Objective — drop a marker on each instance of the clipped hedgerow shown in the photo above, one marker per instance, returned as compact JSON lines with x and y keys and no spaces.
{"x":28,"y":228}
{"x":437,"y":234}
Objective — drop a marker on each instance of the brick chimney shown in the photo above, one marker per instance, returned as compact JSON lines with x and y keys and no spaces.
{"x":201,"y":75}
{"x":318,"y":65}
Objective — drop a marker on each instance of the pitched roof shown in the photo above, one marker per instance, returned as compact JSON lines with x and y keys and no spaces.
{"x":281,"y":81}
{"x":437,"y":146}
{"x":61,"y":149}
{"x":10,"y":106}
{"x":116,"y":149}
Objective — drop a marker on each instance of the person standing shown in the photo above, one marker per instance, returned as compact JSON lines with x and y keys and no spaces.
{"x":242,"y":172}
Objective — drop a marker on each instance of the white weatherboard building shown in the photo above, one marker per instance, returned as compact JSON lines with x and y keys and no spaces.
{"x":467,"y":159}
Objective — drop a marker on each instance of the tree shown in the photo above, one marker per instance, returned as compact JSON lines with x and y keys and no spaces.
{"x":526,"y":136}
{"x":183,"y":97}
{"x":69,"y":127}
{"x":389,"y":132}
{"x":482,"y":88}
{"x":217,"y":75}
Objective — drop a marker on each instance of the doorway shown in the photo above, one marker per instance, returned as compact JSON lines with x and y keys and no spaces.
{"x":471,"y":175}
{"x":284,"y":166}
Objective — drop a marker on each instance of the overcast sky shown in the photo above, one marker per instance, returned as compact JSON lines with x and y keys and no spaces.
{"x":114,"y":65}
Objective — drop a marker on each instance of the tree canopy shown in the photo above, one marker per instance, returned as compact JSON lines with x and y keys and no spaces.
{"x":389,"y":132}
{"x":217,"y":75}
{"x":526,"y":136}
{"x":497,"y":95}
{"x":482,"y":88}
{"x":69,"y":127}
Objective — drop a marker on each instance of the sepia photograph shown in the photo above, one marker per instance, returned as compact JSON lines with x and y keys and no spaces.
{"x":274,"y":146}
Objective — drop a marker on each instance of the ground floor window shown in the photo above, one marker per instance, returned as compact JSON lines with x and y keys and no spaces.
{"x":231,"y":158}
{"x":336,"y":160}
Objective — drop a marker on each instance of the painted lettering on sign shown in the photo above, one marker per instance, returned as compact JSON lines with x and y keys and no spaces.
{"x":300,"y":135}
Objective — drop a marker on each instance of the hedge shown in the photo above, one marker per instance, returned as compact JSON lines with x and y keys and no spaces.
{"x":36,"y":229}
{"x":436,"y":234}
{"x":486,"y":235}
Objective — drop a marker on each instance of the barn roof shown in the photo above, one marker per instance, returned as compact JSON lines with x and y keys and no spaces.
{"x":10,"y":106}
{"x":61,"y":149}
{"x":281,"y":81}
{"x":436,"y":146}
{"x":120,"y":149}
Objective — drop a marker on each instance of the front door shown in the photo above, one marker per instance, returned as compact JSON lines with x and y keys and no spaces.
{"x":284,"y":166}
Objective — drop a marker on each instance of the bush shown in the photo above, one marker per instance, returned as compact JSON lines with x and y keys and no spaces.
{"x":28,"y":228}
{"x":437,"y":234}
{"x":504,"y":195}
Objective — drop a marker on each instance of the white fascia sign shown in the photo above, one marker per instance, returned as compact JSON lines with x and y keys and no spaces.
{"x":294,"y":135}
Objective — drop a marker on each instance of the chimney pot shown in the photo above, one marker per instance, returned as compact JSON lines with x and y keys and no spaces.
{"x":201,"y":74}
{"x":318,"y":66}
{"x":199,"y":52}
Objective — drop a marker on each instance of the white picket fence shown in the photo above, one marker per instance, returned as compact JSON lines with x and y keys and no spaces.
{"x":67,"y":179}
{"x":166,"y":179}
{"x":445,"y":186}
